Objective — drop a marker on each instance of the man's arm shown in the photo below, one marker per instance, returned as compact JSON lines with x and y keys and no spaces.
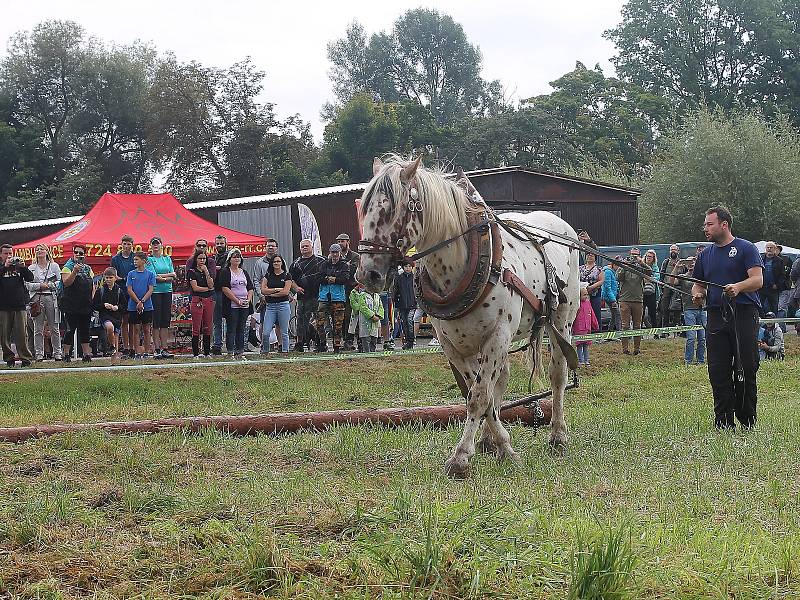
{"x":753,"y":283}
{"x":70,"y":278}
{"x":699,"y":292}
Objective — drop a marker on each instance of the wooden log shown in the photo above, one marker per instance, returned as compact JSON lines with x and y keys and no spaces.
{"x":278,"y":423}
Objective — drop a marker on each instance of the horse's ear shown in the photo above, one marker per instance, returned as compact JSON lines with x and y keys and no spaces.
{"x":377,"y":163}
{"x":408,"y":172}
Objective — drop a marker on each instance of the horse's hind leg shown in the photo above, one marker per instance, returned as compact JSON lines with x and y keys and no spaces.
{"x":558,"y":381}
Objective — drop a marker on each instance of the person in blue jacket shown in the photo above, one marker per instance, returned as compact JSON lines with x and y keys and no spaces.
{"x":333,"y":276}
{"x":609,"y":292}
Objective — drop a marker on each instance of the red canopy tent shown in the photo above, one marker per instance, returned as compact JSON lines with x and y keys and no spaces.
{"x":143,"y":216}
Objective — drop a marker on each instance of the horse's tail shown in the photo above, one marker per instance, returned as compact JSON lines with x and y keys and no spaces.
{"x":534,"y":352}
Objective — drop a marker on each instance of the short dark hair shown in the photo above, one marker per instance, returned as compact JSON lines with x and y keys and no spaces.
{"x":127,"y":238}
{"x":272,"y":240}
{"x":141,"y":254}
{"x":4,"y":246}
{"x":76,"y":246}
{"x":723,"y":214}
{"x":221,"y":237}
{"x":110,"y":271}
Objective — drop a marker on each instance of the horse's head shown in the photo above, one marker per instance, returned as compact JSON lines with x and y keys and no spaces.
{"x":391,"y":217}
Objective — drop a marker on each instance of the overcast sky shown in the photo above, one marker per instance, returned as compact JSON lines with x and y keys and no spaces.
{"x":525,"y":44}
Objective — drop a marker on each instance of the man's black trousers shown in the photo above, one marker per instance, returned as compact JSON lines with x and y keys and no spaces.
{"x":733,"y":397}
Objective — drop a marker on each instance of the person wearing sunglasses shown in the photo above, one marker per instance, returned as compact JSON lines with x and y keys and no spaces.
{"x":79,"y":289}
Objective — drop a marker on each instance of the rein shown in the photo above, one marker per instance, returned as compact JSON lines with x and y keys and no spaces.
{"x":510,"y":226}
{"x":373,"y":247}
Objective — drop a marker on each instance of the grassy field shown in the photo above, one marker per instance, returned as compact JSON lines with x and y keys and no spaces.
{"x":650,"y":501}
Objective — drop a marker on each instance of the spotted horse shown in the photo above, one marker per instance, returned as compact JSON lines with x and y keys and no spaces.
{"x":484,"y":281}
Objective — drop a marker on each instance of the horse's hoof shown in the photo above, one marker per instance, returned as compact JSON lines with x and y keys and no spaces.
{"x":558,"y":447}
{"x":511,"y":456}
{"x":487,"y":446}
{"x":456,"y":469}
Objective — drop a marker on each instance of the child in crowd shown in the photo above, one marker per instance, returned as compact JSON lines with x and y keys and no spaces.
{"x":367,"y":312}
{"x":585,"y":322}
{"x":140,"y":283}
{"x":108,"y":301}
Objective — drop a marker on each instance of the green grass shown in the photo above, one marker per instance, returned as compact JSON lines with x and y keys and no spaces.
{"x":649,"y":502}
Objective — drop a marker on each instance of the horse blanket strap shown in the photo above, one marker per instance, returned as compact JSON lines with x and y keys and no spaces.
{"x":511,"y":280}
{"x":485,"y":252}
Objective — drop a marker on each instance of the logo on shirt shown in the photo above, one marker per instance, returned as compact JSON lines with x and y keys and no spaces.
{"x":732,"y":252}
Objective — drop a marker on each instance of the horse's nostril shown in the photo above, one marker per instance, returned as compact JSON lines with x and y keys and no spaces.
{"x":374,"y":276}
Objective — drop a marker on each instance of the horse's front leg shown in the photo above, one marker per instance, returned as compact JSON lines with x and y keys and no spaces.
{"x":501,"y":439}
{"x":477,"y":400}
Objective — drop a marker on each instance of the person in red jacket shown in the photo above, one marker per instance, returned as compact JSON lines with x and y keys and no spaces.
{"x":585,"y":322}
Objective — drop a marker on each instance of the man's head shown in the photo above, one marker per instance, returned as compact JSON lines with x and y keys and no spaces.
{"x":78,"y":253}
{"x":271,"y":247}
{"x":635,"y":253}
{"x":778,"y":249}
{"x":771,"y":249}
{"x":699,"y":249}
{"x":408,"y":267}
{"x":769,"y":315}
{"x":718,"y":224}
{"x":140,"y":259}
{"x":6,"y":250}
{"x":674,"y":251}
{"x":344,"y":241}
{"x":127,"y":244}
{"x":335,"y":252}
{"x":583,"y":235}
{"x":110,"y":276}
{"x":221,"y":243}
{"x":306,"y":248}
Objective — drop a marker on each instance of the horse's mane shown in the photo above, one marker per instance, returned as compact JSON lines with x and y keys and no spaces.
{"x":444,"y":203}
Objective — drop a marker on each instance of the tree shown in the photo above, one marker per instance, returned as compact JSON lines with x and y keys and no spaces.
{"x":743,"y":161}
{"x":697,"y":52}
{"x":426,"y":59}
{"x":360,"y":130}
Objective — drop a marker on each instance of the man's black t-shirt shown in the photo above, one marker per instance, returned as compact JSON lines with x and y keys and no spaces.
{"x":276,"y":281}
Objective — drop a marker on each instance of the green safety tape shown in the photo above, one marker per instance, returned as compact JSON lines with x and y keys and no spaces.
{"x":312,"y":358}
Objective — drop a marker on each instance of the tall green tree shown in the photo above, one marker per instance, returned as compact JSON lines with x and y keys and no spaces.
{"x":701,"y":52}
{"x":742,"y":161}
{"x":426,"y":59}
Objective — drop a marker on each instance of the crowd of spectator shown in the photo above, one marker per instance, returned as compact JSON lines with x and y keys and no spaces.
{"x":632,"y":291}
{"x":49,"y":310}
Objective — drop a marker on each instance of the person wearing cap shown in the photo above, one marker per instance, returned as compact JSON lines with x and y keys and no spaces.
{"x":333,"y":276}
{"x":161,"y":265}
{"x":770,"y":340}
{"x":352,"y":259}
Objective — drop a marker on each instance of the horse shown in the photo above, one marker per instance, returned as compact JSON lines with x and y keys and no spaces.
{"x":407,"y":206}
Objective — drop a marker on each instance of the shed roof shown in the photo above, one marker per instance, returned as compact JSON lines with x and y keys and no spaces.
{"x":339,"y":189}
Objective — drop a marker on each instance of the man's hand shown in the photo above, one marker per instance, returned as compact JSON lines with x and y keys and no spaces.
{"x":300,"y":290}
{"x":698,"y":298}
{"x":763,"y":345}
{"x":140,"y":307}
{"x":331,"y":279}
{"x":376,"y":318}
{"x":731,"y":290}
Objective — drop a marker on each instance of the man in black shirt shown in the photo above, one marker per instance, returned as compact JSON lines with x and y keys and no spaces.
{"x":352,"y":259}
{"x":14,"y":298}
{"x":305,"y":277}
{"x":220,"y":256}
